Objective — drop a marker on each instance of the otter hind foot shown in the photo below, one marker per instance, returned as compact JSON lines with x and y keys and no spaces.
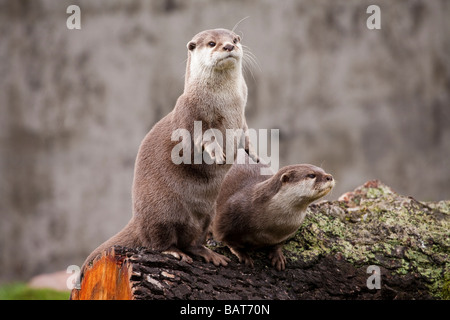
{"x":178,"y":254}
{"x":209,"y":256}
{"x":243,"y":257}
{"x":277,"y":258}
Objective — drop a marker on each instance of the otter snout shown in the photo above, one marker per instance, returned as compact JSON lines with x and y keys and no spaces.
{"x":228,"y":47}
{"x":326,"y":179}
{"x":325,"y":183}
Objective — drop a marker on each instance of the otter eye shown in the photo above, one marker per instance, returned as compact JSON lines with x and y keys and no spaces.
{"x":235,"y":40}
{"x":311,"y":176}
{"x":212,"y":44}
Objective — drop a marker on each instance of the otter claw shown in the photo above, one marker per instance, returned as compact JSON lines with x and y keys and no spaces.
{"x":179,"y":255}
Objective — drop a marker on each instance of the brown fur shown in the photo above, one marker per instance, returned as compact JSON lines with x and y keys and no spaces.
{"x":255,"y":211}
{"x":173,"y":204}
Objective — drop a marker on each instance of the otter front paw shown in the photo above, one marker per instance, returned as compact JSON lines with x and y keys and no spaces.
{"x":215,"y":154}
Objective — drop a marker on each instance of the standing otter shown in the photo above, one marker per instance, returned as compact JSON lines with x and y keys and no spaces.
{"x":255,"y":211}
{"x":173,"y":204}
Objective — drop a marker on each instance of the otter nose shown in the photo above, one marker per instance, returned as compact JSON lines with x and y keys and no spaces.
{"x":228,"y":47}
{"x":329,"y":177}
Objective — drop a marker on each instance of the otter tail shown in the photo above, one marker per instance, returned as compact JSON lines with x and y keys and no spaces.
{"x":127,"y":237}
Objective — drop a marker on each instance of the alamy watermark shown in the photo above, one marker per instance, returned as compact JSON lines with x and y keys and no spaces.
{"x":374,"y":281}
{"x":73,"y":281}
{"x":374,"y":21}
{"x":208,"y":146}
{"x":73,"y":22}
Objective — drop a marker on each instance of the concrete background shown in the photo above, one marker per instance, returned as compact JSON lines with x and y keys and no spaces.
{"x":75,"y":104}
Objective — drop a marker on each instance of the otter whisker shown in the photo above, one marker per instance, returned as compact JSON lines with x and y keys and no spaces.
{"x":239,"y":22}
{"x":250,"y":56}
{"x":248,"y":69}
{"x":249,"y":61}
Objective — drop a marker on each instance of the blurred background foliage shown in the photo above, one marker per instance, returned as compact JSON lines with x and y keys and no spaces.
{"x":20,"y":291}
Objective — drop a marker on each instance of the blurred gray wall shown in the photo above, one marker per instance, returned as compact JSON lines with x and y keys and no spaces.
{"x":75,"y":104}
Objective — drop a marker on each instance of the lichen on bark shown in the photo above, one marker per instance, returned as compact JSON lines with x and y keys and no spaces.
{"x":373,"y":225}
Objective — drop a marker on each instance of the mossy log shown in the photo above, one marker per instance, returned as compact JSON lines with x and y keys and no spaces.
{"x":407,"y":241}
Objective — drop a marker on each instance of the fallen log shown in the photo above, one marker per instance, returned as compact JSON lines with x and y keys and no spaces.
{"x":371,"y":244}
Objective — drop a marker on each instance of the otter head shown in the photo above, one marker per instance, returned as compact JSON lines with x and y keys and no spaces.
{"x":213,"y":51}
{"x":299,"y":185}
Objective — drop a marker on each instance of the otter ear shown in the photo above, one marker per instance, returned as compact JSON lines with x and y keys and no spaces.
{"x":191,"y":45}
{"x":284,"y":178}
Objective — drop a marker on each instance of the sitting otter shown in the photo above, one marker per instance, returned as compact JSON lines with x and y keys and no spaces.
{"x":173,"y":204}
{"x":255,"y":211}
